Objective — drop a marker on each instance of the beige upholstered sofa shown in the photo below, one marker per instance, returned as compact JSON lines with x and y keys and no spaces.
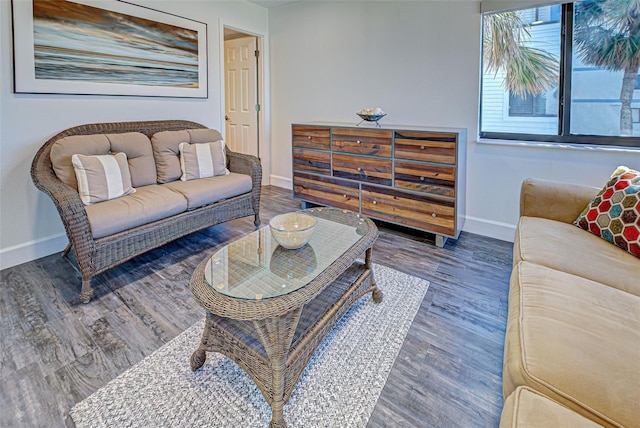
{"x":160,"y":209}
{"x":572,"y":346}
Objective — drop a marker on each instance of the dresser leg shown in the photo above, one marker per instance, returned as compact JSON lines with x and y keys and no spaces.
{"x":440,"y":240}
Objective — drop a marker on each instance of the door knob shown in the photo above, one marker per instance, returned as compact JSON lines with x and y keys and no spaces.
{"x":227,"y":118}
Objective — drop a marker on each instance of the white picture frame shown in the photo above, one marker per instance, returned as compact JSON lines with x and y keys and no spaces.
{"x":107,"y":47}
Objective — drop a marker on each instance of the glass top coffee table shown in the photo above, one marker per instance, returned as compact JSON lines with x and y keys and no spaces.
{"x":268,"y":308}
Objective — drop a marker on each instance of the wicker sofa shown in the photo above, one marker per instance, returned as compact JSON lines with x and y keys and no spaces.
{"x":162,"y":209}
{"x":572,"y":346}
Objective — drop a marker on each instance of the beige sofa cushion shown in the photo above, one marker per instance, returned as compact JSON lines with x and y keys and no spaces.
{"x":149,"y":203}
{"x":166,"y":150}
{"x":64,"y":148}
{"x":137,"y":147}
{"x":528,"y":408}
{"x":206,"y":191}
{"x":576,"y":341}
{"x":568,"y":248}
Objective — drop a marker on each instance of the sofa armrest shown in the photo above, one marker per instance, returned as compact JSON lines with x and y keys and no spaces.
{"x":250,"y":165}
{"x":245,"y":164}
{"x":70,"y":207}
{"x":553,"y":200}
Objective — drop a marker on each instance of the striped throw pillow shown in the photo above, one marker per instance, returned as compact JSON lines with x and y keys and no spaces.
{"x":102,"y":177}
{"x":201,"y":160}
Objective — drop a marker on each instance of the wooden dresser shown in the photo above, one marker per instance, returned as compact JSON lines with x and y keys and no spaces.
{"x":412,"y":176}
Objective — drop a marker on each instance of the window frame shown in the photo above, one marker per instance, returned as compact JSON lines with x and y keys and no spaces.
{"x":564,"y":101}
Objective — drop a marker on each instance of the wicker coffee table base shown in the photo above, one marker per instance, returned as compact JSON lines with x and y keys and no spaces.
{"x":275,"y":351}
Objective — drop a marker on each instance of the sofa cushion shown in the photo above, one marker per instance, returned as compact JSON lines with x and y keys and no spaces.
{"x":576,"y":341}
{"x":149,"y":203}
{"x":614,"y":213}
{"x":64,"y":148}
{"x":102,"y":177}
{"x":206,"y":191}
{"x":137,"y":147}
{"x":525,"y":407}
{"x":564,"y":247}
{"x":166,"y":150}
{"x":202,"y":160}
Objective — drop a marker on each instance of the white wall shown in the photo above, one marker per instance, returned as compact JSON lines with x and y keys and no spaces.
{"x":419,"y":61}
{"x":29,"y":223}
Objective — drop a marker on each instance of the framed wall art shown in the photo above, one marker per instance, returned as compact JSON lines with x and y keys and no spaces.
{"x":106,"y":47}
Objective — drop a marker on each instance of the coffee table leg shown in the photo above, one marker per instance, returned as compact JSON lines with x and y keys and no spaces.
{"x":376,"y":294}
{"x":198,"y":358}
{"x":200,"y":355}
{"x":276,"y":335}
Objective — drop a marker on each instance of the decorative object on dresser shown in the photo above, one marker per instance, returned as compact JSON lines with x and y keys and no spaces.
{"x":371,"y":115}
{"x":412,"y":176}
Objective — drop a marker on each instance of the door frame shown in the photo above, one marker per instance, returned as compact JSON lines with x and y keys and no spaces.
{"x":264,"y":144}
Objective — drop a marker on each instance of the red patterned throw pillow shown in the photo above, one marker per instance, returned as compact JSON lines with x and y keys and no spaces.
{"x":614,"y":213}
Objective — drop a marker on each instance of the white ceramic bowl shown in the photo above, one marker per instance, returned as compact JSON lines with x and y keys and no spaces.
{"x":292,"y":230}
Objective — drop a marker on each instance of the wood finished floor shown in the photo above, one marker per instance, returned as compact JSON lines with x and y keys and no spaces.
{"x":54,"y":351}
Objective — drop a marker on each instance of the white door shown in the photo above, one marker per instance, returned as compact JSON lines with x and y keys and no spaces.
{"x":241,"y":95}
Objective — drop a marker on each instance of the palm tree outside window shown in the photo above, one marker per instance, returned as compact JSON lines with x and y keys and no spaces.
{"x":563,"y":73}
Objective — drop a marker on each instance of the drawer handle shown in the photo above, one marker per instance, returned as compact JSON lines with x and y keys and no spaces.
{"x":421,"y":178}
{"x":344,"y":196}
{"x":360,"y":169}
{"x":374,"y":202}
{"x":421,"y":147}
{"x":433,"y":215}
{"x":309,"y":137}
{"x":358,"y":142}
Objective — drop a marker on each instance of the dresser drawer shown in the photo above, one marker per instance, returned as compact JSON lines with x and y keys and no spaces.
{"x":312,"y":161}
{"x":313,"y":137}
{"x":373,"y":142}
{"x":365,"y":169}
{"x":424,"y":177}
{"x":434,"y":214}
{"x":327,"y":191}
{"x":426,"y":146}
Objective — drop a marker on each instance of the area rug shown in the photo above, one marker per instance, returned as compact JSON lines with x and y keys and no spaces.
{"x":339,"y":388}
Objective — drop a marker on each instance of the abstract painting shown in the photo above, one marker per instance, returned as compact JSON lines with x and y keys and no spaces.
{"x":107,"y":47}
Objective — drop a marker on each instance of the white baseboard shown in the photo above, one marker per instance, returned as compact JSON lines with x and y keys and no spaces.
{"x":490,"y":228}
{"x":31,"y":250}
{"x":283,"y":182}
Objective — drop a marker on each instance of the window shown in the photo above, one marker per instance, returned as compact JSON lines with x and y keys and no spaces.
{"x":528,"y":105}
{"x":548,"y":74}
